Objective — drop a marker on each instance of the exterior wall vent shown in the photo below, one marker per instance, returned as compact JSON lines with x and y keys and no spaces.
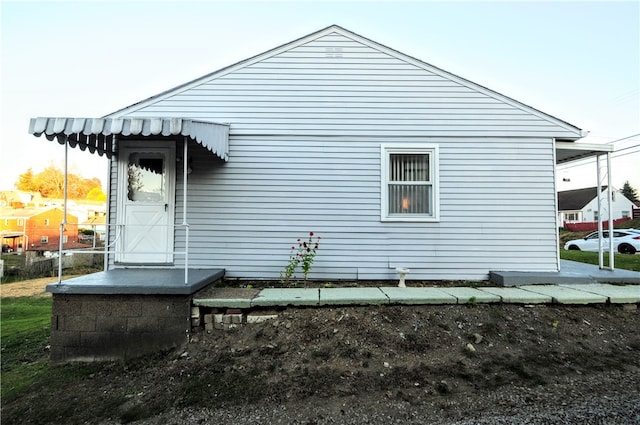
{"x":334,"y":52}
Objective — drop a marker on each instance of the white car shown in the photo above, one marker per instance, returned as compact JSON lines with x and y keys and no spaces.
{"x":625,"y":241}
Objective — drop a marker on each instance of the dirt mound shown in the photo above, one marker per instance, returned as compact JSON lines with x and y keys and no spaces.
{"x":439,"y":362}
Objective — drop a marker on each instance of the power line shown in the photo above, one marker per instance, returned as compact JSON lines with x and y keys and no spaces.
{"x":626,"y":153}
{"x":625,"y":148}
{"x":624,"y":138}
{"x":588,"y":161}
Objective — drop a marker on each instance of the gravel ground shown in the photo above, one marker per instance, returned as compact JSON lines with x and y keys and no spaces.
{"x":607,"y":398}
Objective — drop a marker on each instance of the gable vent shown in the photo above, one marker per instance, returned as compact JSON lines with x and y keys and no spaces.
{"x":334,"y":52}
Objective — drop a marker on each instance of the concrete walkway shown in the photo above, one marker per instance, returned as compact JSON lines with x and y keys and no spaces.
{"x":594,"y":293}
{"x":576,"y":283}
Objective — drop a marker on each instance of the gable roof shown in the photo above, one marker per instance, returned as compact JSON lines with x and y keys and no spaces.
{"x":27,"y":212}
{"x":19,"y":196}
{"x":334,"y":29}
{"x":573,"y":200}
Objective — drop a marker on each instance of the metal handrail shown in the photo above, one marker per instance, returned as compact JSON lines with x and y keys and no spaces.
{"x":118,"y":235}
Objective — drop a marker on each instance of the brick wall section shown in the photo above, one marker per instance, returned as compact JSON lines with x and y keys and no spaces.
{"x":115,"y":327}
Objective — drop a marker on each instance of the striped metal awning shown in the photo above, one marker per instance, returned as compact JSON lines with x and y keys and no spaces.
{"x":97,"y":134}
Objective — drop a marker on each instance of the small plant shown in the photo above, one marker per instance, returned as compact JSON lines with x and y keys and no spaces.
{"x":303,"y":255}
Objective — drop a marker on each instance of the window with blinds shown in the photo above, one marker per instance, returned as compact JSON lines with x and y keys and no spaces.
{"x":408,"y":183}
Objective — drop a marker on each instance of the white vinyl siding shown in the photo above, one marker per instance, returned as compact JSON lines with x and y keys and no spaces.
{"x":309,"y":89}
{"x":244,"y":215}
{"x":409,"y":190}
{"x":306,"y":129}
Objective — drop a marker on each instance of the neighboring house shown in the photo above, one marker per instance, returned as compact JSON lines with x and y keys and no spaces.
{"x":84,"y":210}
{"x":20,"y":199}
{"x":97,"y":224}
{"x":392,"y":161}
{"x":36,"y":229}
{"x":581,"y":205}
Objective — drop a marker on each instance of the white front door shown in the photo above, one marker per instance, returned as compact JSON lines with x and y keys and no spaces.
{"x":146,"y":204}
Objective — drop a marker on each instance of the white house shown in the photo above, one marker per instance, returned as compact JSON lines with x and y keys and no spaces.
{"x":392,"y":161}
{"x":581,"y":205}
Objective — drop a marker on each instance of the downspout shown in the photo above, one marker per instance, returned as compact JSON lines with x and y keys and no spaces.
{"x":185,"y":152}
{"x":555,"y":208}
{"x":64,"y":206}
{"x":609,"y":200}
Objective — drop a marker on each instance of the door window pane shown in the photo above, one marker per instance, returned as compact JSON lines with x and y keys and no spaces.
{"x":146,"y":178}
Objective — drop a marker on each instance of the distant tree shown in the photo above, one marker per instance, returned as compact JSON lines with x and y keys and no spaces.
{"x":96,"y":194}
{"x":26,"y":182}
{"x":629,"y":192}
{"x":50,"y":184}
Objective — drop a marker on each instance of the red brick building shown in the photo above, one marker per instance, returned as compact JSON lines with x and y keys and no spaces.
{"x":36,"y":228}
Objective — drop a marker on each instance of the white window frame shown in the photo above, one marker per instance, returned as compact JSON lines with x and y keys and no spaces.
{"x":572,"y":216}
{"x":386,"y":149}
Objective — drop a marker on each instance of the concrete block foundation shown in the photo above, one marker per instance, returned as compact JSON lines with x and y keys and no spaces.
{"x":87,"y":327}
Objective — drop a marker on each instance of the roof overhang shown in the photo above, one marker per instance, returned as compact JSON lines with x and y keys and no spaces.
{"x":98,"y":134}
{"x":11,"y":235}
{"x":573,"y":151}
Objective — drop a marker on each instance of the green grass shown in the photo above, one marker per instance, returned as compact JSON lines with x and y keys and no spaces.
{"x":12,"y":262}
{"x":631,"y":224}
{"x":25,"y":326}
{"x":620,"y":261}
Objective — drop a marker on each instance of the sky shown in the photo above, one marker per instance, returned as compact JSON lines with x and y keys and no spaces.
{"x":576,"y":60}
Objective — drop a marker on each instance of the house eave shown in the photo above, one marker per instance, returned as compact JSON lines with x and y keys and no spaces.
{"x":573,"y":151}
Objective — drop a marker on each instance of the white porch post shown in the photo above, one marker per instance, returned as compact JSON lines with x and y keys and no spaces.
{"x":609,"y":201}
{"x":599,"y":189}
{"x":611,"y":265}
{"x":64,"y":206}
{"x":185,"y":152}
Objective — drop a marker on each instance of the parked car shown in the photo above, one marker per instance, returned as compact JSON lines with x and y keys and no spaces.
{"x":6,"y":248}
{"x":625,"y":241}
